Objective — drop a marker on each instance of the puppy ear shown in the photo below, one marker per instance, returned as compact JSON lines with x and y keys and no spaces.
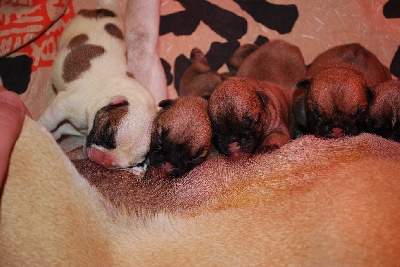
{"x":370,"y":95}
{"x":263,"y":98}
{"x":166,"y":103}
{"x":118,"y":100}
{"x":304,"y":84}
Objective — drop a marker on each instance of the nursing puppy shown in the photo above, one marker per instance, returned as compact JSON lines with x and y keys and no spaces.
{"x":249,"y":116}
{"x":277,"y":62}
{"x":337,"y":90}
{"x":383,"y":117}
{"x":181,"y":137}
{"x":97,"y":97}
{"x":198,"y":79}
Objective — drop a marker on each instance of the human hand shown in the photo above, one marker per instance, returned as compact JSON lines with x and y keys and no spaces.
{"x":12,"y":114}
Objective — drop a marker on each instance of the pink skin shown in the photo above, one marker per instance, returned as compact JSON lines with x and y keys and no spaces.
{"x":101,"y":157}
{"x":337,"y":132}
{"x":235,"y":152}
{"x":12,"y":114}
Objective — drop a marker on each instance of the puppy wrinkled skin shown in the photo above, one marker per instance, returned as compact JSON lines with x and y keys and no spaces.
{"x":277,"y":62}
{"x":336,"y":92}
{"x":182,"y":135}
{"x":199,"y":79}
{"x":249,"y":116}
{"x":383,"y":116}
{"x":97,"y":97}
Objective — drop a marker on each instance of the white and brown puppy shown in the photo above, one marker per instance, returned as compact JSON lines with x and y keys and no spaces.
{"x":337,"y":91}
{"x":383,"y":116}
{"x":249,"y":116}
{"x":277,"y":62}
{"x":97,"y":97}
{"x":182,"y":135}
{"x":198,"y":79}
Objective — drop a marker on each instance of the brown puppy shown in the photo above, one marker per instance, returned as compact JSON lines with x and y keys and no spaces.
{"x":181,"y":137}
{"x":249,"y":116}
{"x":383,"y":116}
{"x":277,"y":62}
{"x":199,"y":78}
{"x":336,"y":96}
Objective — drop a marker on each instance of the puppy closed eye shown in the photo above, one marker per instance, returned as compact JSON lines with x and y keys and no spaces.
{"x":359,"y":111}
{"x":162,"y":134}
{"x":252,"y":121}
{"x":199,"y":153}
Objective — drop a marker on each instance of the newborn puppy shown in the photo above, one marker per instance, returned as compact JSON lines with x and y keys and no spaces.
{"x":249,"y":116}
{"x":337,"y":91}
{"x":277,"y":62}
{"x":97,"y":97}
{"x":199,"y":79}
{"x":182,"y":135}
{"x":383,"y":116}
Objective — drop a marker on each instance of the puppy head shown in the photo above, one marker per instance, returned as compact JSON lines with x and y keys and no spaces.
{"x":384,"y":111}
{"x":336,"y":103}
{"x":181,"y":137}
{"x":120,"y":129}
{"x":238,"y":111}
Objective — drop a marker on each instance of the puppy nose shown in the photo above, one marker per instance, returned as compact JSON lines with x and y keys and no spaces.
{"x":337,"y":132}
{"x":234,"y":148}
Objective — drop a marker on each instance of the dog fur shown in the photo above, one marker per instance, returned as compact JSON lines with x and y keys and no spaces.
{"x":314,"y":202}
{"x":97,"y":96}
{"x":249,"y":116}
{"x":276,"y":61}
{"x":336,"y":91}
{"x":182,"y":135}
{"x":383,"y":116}
{"x":198,"y":79}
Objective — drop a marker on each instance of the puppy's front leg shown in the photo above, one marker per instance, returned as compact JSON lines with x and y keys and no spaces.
{"x":55,"y":113}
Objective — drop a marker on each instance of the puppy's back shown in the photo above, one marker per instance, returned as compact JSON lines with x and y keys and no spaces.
{"x":277,"y":62}
{"x":354,"y":56}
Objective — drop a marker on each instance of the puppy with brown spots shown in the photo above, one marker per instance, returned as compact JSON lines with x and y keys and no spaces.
{"x":383,"y":117}
{"x":182,"y":135}
{"x":198,"y":79}
{"x":336,"y":93}
{"x":96,"y":95}
{"x":249,"y":116}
